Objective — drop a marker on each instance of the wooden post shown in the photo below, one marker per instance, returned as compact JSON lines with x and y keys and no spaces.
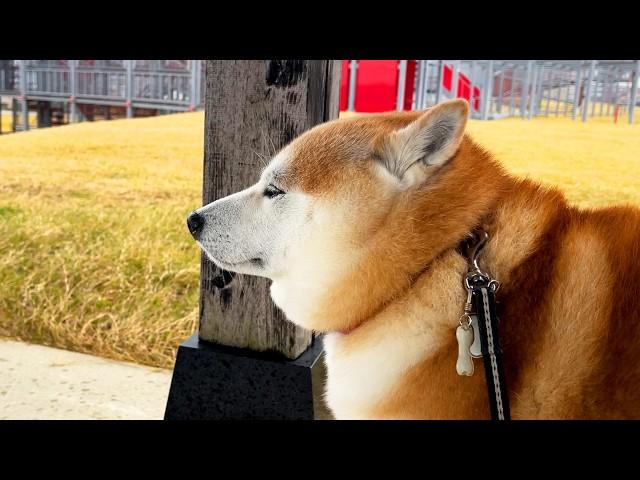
{"x":253,"y":109}
{"x":248,"y":361}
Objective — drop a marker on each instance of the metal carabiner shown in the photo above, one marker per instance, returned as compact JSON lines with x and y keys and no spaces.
{"x":475,"y":244}
{"x":477,"y":250}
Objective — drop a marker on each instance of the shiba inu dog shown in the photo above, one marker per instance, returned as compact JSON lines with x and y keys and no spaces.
{"x":358,"y":221}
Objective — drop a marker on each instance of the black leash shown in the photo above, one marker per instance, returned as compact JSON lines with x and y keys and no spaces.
{"x":478,"y":331}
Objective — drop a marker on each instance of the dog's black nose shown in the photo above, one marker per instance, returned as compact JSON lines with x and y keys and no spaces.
{"x":195,"y":222}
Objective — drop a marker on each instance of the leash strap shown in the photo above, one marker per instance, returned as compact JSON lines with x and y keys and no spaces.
{"x":483,"y":298}
{"x":480,"y":311}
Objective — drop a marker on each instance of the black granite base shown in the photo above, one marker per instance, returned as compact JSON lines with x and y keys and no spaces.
{"x":215,"y":382}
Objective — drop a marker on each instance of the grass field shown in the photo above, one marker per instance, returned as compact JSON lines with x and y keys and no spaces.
{"x":94,"y":253}
{"x":596,"y":163}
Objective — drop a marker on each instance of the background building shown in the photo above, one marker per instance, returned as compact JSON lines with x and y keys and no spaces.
{"x":63,"y":91}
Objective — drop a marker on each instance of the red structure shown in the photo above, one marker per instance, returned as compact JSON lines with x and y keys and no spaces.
{"x":344,"y":86}
{"x":376,"y":87}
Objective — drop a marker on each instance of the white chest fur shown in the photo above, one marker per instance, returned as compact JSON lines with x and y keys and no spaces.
{"x":365,"y":366}
{"x":357,"y":379}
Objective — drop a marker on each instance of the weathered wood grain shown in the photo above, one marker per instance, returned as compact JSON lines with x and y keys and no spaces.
{"x":253,"y":109}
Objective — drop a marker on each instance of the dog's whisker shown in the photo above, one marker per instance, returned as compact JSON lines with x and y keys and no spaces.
{"x":261,"y":157}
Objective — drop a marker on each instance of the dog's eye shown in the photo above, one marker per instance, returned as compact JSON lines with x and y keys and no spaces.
{"x":272,"y":191}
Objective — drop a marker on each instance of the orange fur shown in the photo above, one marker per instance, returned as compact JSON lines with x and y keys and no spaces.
{"x":570,"y":297}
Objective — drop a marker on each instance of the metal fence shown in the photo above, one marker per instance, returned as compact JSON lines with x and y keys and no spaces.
{"x":500,"y":88}
{"x":172,"y":85}
{"x":494,"y":88}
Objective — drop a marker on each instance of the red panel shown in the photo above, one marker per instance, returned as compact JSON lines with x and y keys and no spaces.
{"x":376,"y":85}
{"x":447,"y":77}
{"x":409,"y":84}
{"x":476,"y":98}
{"x":344,"y":86}
{"x":464,"y":90}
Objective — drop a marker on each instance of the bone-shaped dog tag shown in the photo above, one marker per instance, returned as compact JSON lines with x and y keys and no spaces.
{"x":476,"y":348}
{"x":464,"y":365}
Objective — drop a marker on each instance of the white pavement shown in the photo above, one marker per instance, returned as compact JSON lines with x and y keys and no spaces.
{"x":39,"y":383}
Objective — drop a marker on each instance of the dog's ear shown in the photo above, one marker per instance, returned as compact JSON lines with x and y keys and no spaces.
{"x":429,"y":141}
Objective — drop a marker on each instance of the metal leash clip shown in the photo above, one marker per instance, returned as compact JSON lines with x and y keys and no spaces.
{"x":475,"y":276}
{"x":467,"y":333}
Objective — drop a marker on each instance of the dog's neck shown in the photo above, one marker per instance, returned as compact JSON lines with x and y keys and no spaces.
{"x":423,"y":223}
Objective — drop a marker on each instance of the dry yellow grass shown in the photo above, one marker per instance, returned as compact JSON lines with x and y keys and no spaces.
{"x":7,"y":120}
{"x":94,"y":254}
{"x":595,"y":163}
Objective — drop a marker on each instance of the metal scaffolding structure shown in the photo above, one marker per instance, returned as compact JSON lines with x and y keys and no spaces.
{"x":494,"y":88}
{"x":530,"y":88}
{"x":157,"y":85}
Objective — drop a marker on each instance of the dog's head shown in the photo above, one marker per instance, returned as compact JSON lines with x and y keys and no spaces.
{"x":322,"y":199}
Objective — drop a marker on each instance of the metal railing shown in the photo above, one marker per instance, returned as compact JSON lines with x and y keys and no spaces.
{"x":529,"y":88}
{"x":173,"y":85}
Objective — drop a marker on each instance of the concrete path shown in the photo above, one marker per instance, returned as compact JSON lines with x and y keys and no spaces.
{"x":40,"y":383}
